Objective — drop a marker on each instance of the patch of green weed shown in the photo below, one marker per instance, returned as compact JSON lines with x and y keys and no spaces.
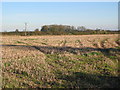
{"x":7,"y":64}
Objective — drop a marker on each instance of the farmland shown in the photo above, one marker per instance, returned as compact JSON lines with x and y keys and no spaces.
{"x":63,"y":61}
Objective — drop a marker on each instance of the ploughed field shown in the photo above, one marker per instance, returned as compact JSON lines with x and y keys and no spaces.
{"x":71,"y":61}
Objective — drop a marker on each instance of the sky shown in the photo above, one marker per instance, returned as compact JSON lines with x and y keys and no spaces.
{"x":103,"y":15}
{"x":60,"y":0}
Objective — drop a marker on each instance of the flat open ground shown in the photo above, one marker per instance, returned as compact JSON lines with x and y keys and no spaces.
{"x":60,"y":61}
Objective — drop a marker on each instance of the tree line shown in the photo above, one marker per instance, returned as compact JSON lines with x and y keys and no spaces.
{"x":61,"y":30}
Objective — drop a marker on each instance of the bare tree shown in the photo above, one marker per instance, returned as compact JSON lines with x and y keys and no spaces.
{"x":25,"y":29}
{"x":81,"y":28}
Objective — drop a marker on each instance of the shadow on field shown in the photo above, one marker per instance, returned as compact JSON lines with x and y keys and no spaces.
{"x":85,"y":80}
{"x":57,"y":50}
{"x":78,"y":79}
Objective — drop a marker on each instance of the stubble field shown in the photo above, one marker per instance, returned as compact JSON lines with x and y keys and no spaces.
{"x":71,"y":61}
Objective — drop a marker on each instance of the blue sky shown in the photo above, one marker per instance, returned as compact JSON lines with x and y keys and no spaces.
{"x":93,"y":15}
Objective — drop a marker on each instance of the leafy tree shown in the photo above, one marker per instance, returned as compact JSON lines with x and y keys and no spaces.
{"x":16,"y":30}
{"x":45,"y":28}
{"x":37,"y":30}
